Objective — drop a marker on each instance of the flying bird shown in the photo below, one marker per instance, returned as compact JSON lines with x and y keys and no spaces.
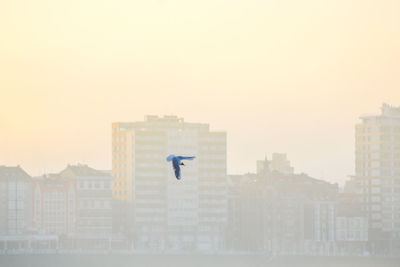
{"x":176,"y":163}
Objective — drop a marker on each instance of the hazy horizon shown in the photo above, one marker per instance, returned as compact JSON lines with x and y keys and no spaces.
{"x":277,"y":76}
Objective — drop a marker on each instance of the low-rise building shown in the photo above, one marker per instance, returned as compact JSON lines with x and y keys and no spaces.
{"x":54,"y":204}
{"x":351,"y":225}
{"x":15,"y":200}
{"x":77,"y":202}
{"x":281,"y":213}
{"x":94,"y":199}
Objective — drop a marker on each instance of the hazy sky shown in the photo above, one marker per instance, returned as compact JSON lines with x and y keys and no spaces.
{"x":278,"y":76}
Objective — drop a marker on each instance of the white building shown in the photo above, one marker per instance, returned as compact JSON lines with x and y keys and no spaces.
{"x":377,"y":179}
{"x":172,"y":214}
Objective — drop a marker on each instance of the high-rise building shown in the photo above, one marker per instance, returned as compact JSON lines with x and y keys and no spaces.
{"x":185,"y":214}
{"x":377,"y":172}
{"x":15,"y":200}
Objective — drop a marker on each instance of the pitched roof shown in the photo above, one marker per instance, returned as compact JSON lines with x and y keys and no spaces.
{"x":81,"y":170}
{"x":13,"y":173}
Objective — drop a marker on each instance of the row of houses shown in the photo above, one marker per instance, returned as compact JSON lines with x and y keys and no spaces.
{"x":268,"y":211}
{"x":73,"y":204}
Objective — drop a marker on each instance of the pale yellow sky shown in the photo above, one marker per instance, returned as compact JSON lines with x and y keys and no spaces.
{"x":284,"y":76}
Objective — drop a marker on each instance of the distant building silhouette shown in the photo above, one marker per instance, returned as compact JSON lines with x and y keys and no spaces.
{"x":279,"y":163}
{"x":281,"y":213}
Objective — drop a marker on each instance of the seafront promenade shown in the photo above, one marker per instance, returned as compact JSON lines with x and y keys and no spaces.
{"x":190,"y":260}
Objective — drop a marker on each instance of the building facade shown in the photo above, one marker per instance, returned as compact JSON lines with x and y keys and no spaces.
{"x":15,"y":201}
{"x":377,"y":175}
{"x":281,"y":213}
{"x":351,"y":226}
{"x":94,"y":199}
{"x":75,"y":203}
{"x":54,"y":204}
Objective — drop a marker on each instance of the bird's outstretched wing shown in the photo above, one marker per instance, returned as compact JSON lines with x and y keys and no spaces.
{"x":170,"y":157}
{"x":182,"y":158}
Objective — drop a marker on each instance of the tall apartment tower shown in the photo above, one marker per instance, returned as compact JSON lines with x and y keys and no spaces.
{"x":185,"y":214}
{"x":377,"y":169}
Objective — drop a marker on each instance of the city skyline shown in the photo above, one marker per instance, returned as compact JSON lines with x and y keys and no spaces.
{"x":140,"y":206}
{"x":324,"y":175}
{"x":255,"y":163}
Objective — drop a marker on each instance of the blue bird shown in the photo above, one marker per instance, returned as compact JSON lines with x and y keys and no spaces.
{"x":176,"y":162}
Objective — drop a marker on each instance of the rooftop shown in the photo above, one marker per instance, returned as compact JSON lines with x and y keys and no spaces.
{"x":80,"y":170}
{"x":13,"y":172}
